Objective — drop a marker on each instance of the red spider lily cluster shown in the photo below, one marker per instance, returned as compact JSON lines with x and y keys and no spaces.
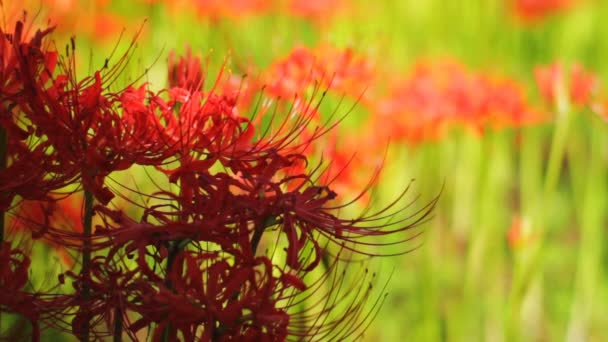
{"x":240,"y":238}
{"x":440,"y":94}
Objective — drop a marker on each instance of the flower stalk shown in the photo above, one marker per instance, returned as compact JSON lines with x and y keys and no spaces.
{"x":3,"y":161}
{"x":87,"y":225}
{"x":118,"y":322}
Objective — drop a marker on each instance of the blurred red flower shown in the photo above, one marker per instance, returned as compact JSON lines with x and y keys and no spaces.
{"x":316,"y":10}
{"x":57,"y":222}
{"x":578,"y":84}
{"x":439,"y":94}
{"x":217,"y":9}
{"x":342,"y":71}
{"x":532,"y":10}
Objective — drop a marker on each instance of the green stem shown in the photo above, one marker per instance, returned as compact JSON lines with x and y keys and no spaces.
{"x":530,"y":192}
{"x":87,"y":225}
{"x":556,"y":154}
{"x":590,"y":215}
{"x":259,"y":231}
{"x":174,"y":249}
{"x":528,"y":268}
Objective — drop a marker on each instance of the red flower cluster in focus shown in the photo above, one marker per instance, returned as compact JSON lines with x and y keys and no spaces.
{"x":240,"y":239}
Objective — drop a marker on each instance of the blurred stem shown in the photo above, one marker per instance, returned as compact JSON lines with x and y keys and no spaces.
{"x":87,"y":224}
{"x":466,"y":170}
{"x":530,"y":190}
{"x":591,"y":215}
{"x":3,"y":152}
{"x":528,"y":267}
{"x":474,"y":198}
{"x":430,"y":162}
{"x":556,"y":156}
{"x":3,"y":148}
{"x":485,"y":259}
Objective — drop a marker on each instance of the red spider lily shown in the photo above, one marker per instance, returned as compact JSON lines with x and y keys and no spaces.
{"x":207,"y":297}
{"x":109,"y":286}
{"x":266,"y":196}
{"x":183,"y":119}
{"x":189,"y":122}
{"x":66,"y":117}
{"x":236,"y":221}
{"x":193,"y":264}
{"x":339,"y":70}
{"x":580,"y":85}
{"x":77,"y":124}
{"x":215,"y":300}
{"x":532,"y":10}
{"x":302,"y":74}
{"x":439,"y":94}
{"x":25,"y":174}
{"x":185,"y":72}
{"x":209,"y":124}
{"x":16,"y":50}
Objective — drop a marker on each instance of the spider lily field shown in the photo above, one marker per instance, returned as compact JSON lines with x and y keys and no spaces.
{"x":303,"y":170}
